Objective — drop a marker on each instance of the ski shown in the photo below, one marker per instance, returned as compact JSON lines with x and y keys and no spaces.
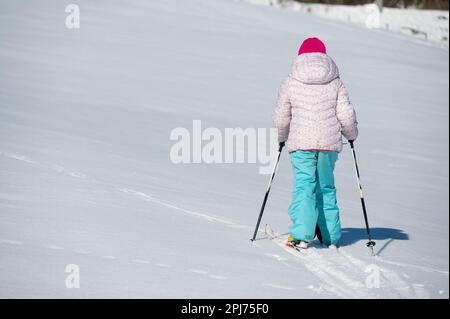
{"x":281,"y":241}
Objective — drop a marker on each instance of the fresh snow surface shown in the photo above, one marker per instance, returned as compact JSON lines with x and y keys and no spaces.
{"x":86,"y":180}
{"x":431,"y":25}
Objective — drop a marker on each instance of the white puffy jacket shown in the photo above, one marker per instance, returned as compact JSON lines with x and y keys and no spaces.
{"x":313,"y":109}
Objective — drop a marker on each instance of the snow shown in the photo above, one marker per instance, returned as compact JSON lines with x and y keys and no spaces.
{"x":86,"y":180}
{"x":431,"y":25}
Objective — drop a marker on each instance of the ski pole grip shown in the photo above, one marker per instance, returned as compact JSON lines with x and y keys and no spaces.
{"x":351,"y":143}
{"x":281,"y":145}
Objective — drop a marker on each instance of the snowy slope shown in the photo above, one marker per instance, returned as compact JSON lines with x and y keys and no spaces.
{"x":85,"y":178}
{"x":431,"y":25}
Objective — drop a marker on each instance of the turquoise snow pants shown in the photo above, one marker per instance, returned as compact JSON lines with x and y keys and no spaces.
{"x":314,"y":196}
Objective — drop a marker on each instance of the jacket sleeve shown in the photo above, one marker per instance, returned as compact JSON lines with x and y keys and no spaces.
{"x":281,"y":118}
{"x":346,"y":114}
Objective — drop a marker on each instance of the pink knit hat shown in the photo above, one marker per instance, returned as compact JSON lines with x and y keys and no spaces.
{"x":312,"y":45}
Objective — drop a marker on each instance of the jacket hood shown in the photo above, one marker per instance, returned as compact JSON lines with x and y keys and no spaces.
{"x":314,"y":68}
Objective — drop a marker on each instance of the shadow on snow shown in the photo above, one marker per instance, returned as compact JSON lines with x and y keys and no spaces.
{"x":353,"y":235}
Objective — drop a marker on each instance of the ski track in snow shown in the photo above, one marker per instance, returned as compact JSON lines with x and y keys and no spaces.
{"x":151,"y":198}
{"x":345,"y":276}
{"x":17,"y":157}
{"x":55,"y":249}
{"x":423,"y":268}
{"x":10,"y":242}
{"x":340,"y":273}
{"x":276,"y":286}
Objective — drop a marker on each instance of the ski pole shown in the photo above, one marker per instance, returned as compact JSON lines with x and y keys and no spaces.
{"x":267,"y":191}
{"x":370,"y":243}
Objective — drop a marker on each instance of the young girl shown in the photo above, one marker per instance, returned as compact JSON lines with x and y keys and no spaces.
{"x":312,"y":114}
